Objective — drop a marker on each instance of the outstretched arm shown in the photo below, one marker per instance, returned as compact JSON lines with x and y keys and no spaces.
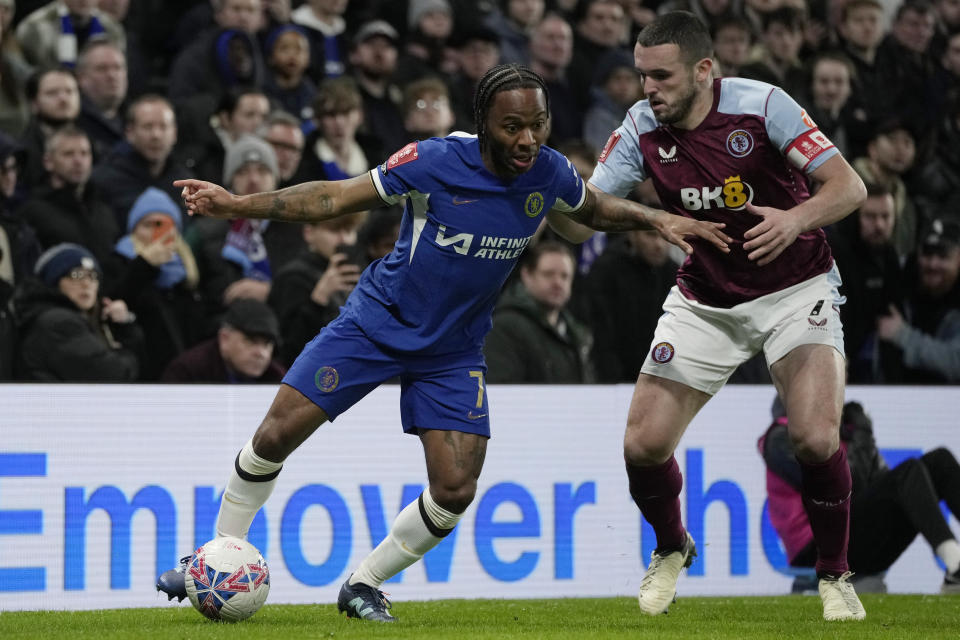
{"x":306,"y":202}
{"x":603,"y":212}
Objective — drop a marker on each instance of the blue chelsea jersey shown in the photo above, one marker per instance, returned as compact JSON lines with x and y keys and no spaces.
{"x":463,"y":230}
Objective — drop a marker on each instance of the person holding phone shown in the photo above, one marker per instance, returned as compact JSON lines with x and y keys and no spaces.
{"x":154,"y":269}
{"x":308,"y":291}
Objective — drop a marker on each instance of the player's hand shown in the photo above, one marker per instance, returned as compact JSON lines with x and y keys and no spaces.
{"x":340,"y":276}
{"x":777,"y":231}
{"x":207,"y":199}
{"x":888,"y":326}
{"x":674,"y":228}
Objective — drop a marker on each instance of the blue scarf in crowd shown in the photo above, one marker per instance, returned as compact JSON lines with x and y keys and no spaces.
{"x":67,"y":45}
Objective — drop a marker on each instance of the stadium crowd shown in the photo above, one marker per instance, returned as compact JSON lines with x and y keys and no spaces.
{"x":103,"y":104}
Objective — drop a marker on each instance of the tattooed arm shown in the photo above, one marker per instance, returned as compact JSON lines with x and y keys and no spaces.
{"x":603,"y":212}
{"x":306,"y":202}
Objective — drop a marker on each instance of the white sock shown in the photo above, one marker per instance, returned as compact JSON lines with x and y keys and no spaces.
{"x":419,"y":527}
{"x":949,"y":552}
{"x":249,"y":486}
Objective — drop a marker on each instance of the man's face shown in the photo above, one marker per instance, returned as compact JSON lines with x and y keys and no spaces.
{"x":877,"y":216}
{"x":247,"y":355}
{"x":951,"y":55}
{"x":526,"y":13}
{"x":894,"y":151}
{"x":517,"y":126}
{"x":252,"y":177}
{"x":783,"y":42}
{"x":949,"y":12}
{"x":287,"y":143}
{"x":863,"y":27}
{"x":9,"y":172}
{"x":603,"y":24}
{"x":103,"y":77}
{"x":477,"y":57}
{"x":939,"y":269}
{"x":732,"y":46}
{"x":914,"y":30}
{"x":153,"y":131}
{"x":248,"y":116}
{"x":58,"y":98}
{"x":667,"y":82}
{"x":831,"y":84}
{"x":552,"y":43}
{"x":243,"y":15}
{"x":429,"y":115}
{"x":81,"y":287}
{"x":69,"y":160}
{"x":436,"y":24}
{"x":291,"y":54}
{"x":340,"y":126}
{"x":324,"y":238}
{"x":376,"y":57}
{"x":550,"y":280}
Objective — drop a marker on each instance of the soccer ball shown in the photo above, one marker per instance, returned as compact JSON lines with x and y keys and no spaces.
{"x":227,"y":579}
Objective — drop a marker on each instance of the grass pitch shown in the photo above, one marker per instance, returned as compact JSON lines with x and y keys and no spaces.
{"x":888,"y":616}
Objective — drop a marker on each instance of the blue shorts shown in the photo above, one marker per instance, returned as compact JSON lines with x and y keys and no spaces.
{"x":342,"y":365}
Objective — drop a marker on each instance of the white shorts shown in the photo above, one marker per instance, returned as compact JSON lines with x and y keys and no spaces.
{"x":701,"y":346}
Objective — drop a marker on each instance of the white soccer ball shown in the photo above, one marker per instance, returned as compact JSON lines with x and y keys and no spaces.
{"x":227,"y":579}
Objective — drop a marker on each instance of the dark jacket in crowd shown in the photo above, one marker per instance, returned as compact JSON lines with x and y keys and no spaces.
{"x":173,"y":319}
{"x":104,"y":133}
{"x":621,"y":301}
{"x":8,"y":331}
{"x":205,"y":66}
{"x":203,"y":363}
{"x":872,"y":281}
{"x":59,"y":343}
{"x":58,"y":215}
{"x":124,"y":174}
{"x":927,"y":350}
{"x":300,"y":317}
{"x":523,"y":347}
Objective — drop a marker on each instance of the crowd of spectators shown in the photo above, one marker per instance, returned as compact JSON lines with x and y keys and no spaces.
{"x":104,"y":103}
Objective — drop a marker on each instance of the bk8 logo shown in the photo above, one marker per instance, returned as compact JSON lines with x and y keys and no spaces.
{"x":733,"y":195}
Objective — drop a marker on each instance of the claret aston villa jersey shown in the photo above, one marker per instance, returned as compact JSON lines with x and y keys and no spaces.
{"x":756,"y":145}
{"x":463,"y":230}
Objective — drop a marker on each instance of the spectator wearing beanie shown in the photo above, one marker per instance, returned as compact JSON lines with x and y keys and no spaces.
{"x":241,"y":352}
{"x":68,"y":333}
{"x":155,"y":271}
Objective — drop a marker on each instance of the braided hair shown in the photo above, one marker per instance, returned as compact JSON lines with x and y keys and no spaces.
{"x":502,"y":77}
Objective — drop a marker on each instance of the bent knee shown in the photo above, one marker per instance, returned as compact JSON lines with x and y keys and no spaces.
{"x":269,"y":444}
{"x":816,"y":447}
{"x":640,"y":449}
{"x":455,"y":498}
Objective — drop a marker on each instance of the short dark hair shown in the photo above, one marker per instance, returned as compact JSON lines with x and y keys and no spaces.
{"x":877,"y":189}
{"x":503,"y":77}
{"x":66,"y":131}
{"x":131,"y":113}
{"x":531,"y":258}
{"x":681,"y":28}
{"x":231,"y":97}
{"x":789,"y":17}
{"x":32,"y":87}
{"x":913,"y":6}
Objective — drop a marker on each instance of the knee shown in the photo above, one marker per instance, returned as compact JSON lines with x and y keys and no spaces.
{"x":641,"y":450}
{"x":455,"y":497}
{"x":269,"y":445}
{"x":940,"y":457}
{"x":817,"y":445}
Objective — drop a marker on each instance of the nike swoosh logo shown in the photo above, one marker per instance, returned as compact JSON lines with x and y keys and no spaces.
{"x":457,"y":200}
{"x":476,"y":416}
